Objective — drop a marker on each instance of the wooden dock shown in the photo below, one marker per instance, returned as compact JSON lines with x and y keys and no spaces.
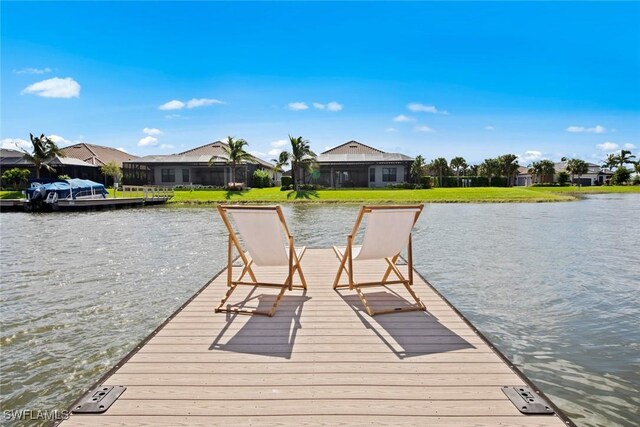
{"x":321,"y":360}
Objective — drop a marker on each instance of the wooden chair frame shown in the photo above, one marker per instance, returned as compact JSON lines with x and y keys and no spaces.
{"x":346,"y":265}
{"x":294,"y":263}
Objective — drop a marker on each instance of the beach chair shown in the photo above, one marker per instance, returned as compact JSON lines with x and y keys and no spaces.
{"x":387,"y":233}
{"x":268,"y":243}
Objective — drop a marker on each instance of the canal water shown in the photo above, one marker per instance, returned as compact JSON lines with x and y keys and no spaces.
{"x":556,"y":286}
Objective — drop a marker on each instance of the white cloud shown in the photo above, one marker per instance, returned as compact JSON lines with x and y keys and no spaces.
{"x":423,"y":129}
{"x":416,"y":107}
{"x":54,"y":88}
{"x":202,"y":102}
{"x":152,"y":131}
{"x":60,"y":141}
{"x":15,"y":144}
{"x":334,"y":106}
{"x":173,"y":116}
{"x":297,"y":106}
{"x":331,"y":106}
{"x":579,"y":129}
{"x":166,"y":146}
{"x":122,"y":149}
{"x":148,"y":141}
{"x":192,"y":103}
{"x":279,"y":143}
{"x":172,"y":105}
{"x":529,"y":156}
{"x":489,"y":128}
{"x":391,"y":130}
{"x":608,"y":146}
{"x":33,"y":70}
{"x":403,"y":119}
{"x":628,"y":146}
{"x":275,"y":151}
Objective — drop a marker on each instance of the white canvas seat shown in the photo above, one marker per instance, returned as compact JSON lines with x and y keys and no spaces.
{"x":387,"y":233}
{"x":267,"y":243}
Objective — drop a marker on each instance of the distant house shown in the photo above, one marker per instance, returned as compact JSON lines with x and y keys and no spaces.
{"x":596,"y":175}
{"x":354,"y":164}
{"x":73,"y":167}
{"x":97,"y":155}
{"x":80,"y":161}
{"x":191,"y":168}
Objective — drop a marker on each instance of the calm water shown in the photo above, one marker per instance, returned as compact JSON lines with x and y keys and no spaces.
{"x":555,"y":286}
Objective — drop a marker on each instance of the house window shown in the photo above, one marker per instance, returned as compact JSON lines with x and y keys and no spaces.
{"x":185,"y":175}
{"x":168,"y":175}
{"x":389,"y":174}
{"x":372,"y":175}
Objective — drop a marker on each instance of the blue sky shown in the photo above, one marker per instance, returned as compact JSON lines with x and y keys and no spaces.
{"x":541,"y":80}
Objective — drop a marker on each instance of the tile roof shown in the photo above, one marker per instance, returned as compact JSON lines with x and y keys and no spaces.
{"x":352,"y":147}
{"x":97,"y":154}
{"x":200,"y":154}
{"x":356,"y":152}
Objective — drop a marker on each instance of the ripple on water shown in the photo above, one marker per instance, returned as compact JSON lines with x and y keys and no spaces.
{"x":554,"y":286}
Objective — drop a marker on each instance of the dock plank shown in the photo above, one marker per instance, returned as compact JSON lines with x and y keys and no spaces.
{"x":320,"y":361}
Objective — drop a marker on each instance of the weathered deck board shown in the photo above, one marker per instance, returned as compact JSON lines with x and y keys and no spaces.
{"x":320,"y":361}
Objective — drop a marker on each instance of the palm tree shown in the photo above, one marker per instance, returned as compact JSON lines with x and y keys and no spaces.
{"x":458,"y":163}
{"x":440,"y":165}
{"x":473,"y":170}
{"x":611,"y":161}
{"x":282,"y":160}
{"x":235,"y":155}
{"x":301,"y":156}
{"x":417,"y":168}
{"x":577,"y":167}
{"x":546,"y":169}
{"x":44,"y":149}
{"x":625,"y":157}
{"x":509,"y":166}
{"x":489,"y":168}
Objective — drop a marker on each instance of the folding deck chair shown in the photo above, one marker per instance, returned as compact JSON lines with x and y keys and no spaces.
{"x":387,"y":232}
{"x":261,"y":229}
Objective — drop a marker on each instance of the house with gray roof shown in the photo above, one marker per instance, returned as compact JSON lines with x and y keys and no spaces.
{"x":354,"y":164}
{"x":191,"y":167}
{"x":71,"y":166}
{"x":596,"y":175}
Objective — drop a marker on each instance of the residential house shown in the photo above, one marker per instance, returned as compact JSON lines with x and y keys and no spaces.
{"x":596,"y":175}
{"x":80,"y":161}
{"x":354,"y":164}
{"x":191,"y":167}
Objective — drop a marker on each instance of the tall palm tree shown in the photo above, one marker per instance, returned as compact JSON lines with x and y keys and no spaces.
{"x":547,"y":170}
{"x":458,"y":163}
{"x":577,"y":167}
{"x":44,"y":149}
{"x":610,"y":162}
{"x":282,"y":160}
{"x":234,"y":155}
{"x":625,"y":157}
{"x":489,"y":168}
{"x":440,"y":165}
{"x":417,"y":168}
{"x":509,"y":166}
{"x":301,"y":156}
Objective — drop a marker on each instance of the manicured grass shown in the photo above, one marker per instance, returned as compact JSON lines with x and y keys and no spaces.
{"x":442,"y":195}
{"x":11,"y":195}
{"x":604,"y":189}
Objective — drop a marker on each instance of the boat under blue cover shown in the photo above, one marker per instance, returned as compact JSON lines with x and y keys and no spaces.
{"x":78,"y":188}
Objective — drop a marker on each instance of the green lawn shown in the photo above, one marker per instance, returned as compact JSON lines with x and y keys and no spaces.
{"x":436,"y":195}
{"x":443,"y":195}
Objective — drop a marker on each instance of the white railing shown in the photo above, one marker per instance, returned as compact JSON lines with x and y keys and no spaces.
{"x":146,"y":192}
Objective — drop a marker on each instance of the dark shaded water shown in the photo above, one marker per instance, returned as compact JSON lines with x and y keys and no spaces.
{"x":555,"y":286}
